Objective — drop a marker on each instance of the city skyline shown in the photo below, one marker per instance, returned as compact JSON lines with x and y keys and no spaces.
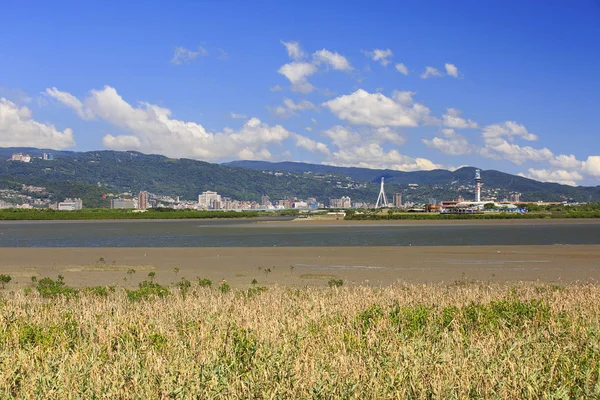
{"x":415,"y":86}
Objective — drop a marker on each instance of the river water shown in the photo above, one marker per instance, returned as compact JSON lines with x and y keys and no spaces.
{"x":248,"y":233}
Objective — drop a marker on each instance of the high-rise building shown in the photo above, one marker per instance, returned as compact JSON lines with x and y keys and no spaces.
{"x":515,"y":197}
{"x":207,"y":198}
{"x":397,"y":200}
{"x":265,"y":200}
{"x":143,"y":201}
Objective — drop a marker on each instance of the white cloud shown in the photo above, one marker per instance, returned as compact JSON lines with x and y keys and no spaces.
{"x":451,"y":70}
{"x":121,"y":142}
{"x":290,"y":108}
{"x":237,"y":116}
{"x":69,"y":100}
{"x":362,"y":107}
{"x":452,"y":143}
{"x":342,"y":137}
{"x":508,"y":128}
{"x":152,"y":129}
{"x":591,"y":166}
{"x":402,"y":69}
{"x":372,"y":155}
{"x":297,"y":73}
{"x":380,"y":55}
{"x":18,"y":129}
{"x":430,"y":72}
{"x":335,"y":60}
{"x":568,"y":162}
{"x":294,"y":51}
{"x":184,"y":56}
{"x":275,"y":88}
{"x":308,"y":129}
{"x":497,"y":146}
{"x":557,"y":176}
{"x":314,"y":121}
{"x":365,"y":149}
{"x":311,"y":145}
{"x":452,"y":119}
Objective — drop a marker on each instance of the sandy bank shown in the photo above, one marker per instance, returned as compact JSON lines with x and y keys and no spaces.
{"x":311,"y":266}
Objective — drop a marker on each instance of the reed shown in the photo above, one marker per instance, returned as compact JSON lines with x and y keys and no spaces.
{"x":468,"y":340}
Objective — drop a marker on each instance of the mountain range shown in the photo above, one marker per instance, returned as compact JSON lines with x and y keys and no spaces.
{"x":91,"y":174}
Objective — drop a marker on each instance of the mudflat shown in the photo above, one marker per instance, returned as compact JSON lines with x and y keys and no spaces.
{"x":301,"y":266}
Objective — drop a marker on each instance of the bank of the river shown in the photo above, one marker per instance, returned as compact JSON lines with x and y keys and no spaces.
{"x":114,"y":214}
{"x":301,"y":266}
{"x":486,"y":216}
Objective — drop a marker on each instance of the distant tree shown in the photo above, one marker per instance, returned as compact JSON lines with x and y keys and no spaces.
{"x":4,"y":279}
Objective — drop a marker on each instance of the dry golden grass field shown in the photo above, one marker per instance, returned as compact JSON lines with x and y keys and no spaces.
{"x":192,"y":340}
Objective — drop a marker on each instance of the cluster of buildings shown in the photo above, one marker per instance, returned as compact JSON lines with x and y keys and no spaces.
{"x":27,"y":158}
{"x":142,"y":202}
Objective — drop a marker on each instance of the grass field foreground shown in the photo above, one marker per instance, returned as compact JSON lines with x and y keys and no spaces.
{"x":192,"y":340}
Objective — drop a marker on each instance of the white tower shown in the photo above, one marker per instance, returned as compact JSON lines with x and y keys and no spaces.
{"x":381,"y":200}
{"x":478,"y":182}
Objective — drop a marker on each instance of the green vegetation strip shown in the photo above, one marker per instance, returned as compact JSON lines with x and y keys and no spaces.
{"x":196,"y":340}
{"x":101,"y":214}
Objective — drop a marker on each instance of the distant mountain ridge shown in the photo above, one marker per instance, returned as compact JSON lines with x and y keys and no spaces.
{"x":531,"y":189}
{"x":93,"y":173}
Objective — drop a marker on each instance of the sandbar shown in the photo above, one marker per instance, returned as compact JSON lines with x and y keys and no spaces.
{"x":302,"y":266}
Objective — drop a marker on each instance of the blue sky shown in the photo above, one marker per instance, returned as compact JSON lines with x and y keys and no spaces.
{"x":512,"y":85}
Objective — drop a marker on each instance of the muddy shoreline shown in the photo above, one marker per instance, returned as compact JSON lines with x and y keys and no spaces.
{"x":301,"y":266}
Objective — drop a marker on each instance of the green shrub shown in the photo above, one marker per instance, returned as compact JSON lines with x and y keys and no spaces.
{"x":410,"y":319}
{"x":101,"y":291}
{"x":4,"y":279}
{"x":147,"y":290}
{"x":335,"y":283}
{"x":224,"y":287}
{"x":204,"y":282}
{"x":50,"y":288}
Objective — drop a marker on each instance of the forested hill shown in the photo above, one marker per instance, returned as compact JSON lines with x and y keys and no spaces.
{"x":89,"y":175}
{"x":531,"y":189}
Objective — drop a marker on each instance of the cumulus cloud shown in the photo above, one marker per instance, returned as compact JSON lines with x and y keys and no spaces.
{"x":297,"y":73}
{"x":591,"y":166}
{"x":365,"y":148}
{"x":498,"y":144}
{"x":402,"y":69}
{"x":294,"y":51}
{"x":150,"y":128}
{"x":430,"y":72}
{"x":452,"y":119}
{"x":18,"y":129}
{"x":451,"y":144}
{"x":380,"y":55}
{"x":335,"y":60}
{"x":121,"y":142}
{"x":557,"y":176}
{"x":375,"y":109}
{"x":374,"y":156}
{"x":451,"y":70}
{"x":237,"y":116}
{"x":275,"y":88}
{"x":311,"y":145}
{"x":184,"y":56}
{"x":290,"y":108}
{"x":69,"y":100}
{"x":568,"y":162}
